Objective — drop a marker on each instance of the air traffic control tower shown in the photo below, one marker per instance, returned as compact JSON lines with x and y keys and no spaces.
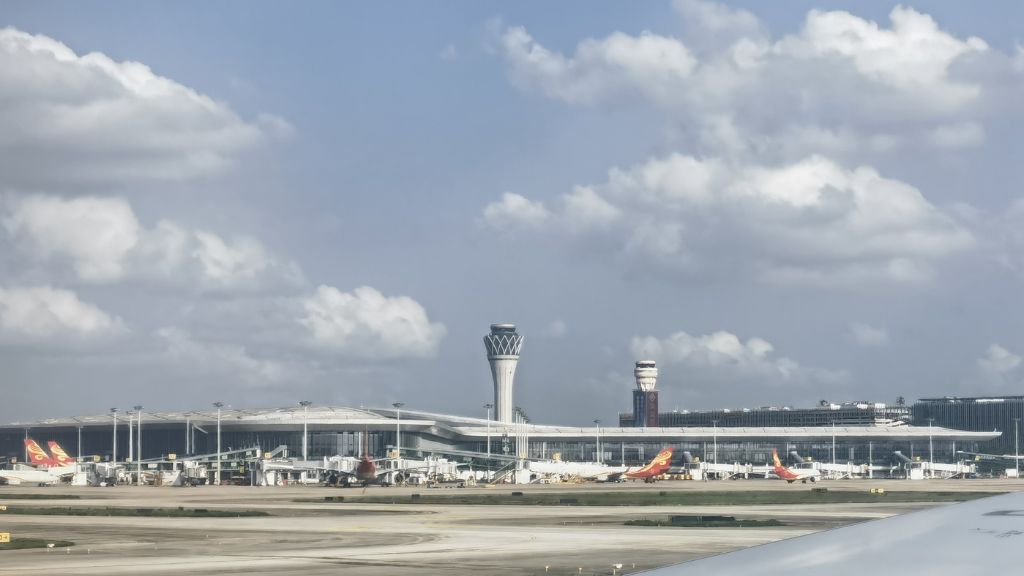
{"x":645,"y":397}
{"x":503,"y":347}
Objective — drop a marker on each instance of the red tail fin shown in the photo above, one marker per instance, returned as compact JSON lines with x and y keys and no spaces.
{"x":59,"y":455}
{"x":36,"y":454}
{"x":659,"y":465}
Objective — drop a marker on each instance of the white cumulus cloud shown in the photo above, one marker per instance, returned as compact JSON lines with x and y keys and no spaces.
{"x":725,"y":356}
{"x":812,"y":220}
{"x":515,"y":211}
{"x":366,"y":324}
{"x":103,"y":241}
{"x":44,"y":313}
{"x":70,"y":118}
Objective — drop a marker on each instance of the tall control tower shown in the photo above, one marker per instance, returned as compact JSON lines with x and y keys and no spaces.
{"x":503,"y":347}
{"x":645,"y":397}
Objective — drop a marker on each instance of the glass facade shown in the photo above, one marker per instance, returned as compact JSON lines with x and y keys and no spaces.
{"x":977,"y":414}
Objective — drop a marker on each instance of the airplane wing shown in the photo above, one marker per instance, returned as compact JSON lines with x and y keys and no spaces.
{"x":975,"y":537}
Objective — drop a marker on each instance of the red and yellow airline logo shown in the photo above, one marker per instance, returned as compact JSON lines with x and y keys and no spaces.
{"x":59,"y":455}
{"x":36,"y":454}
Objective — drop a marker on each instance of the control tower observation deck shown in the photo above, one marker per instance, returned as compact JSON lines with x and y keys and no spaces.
{"x":503,"y":345}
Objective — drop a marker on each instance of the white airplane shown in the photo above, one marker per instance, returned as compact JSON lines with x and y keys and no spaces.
{"x":975,"y":537}
{"x":38,"y":476}
{"x":793,"y":474}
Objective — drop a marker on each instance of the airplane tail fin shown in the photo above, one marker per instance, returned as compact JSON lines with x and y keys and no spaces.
{"x":59,"y":455}
{"x":658,"y":465}
{"x":775,"y":459}
{"x":36,"y":454}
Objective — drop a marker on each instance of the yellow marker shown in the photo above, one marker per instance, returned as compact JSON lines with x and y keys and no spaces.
{"x":5,"y":537}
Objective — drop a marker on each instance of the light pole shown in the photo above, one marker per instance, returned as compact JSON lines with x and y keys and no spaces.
{"x":131,"y":444}
{"x":113,"y":457}
{"x":597,"y":436}
{"x":833,"y":444}
{"x":714,"y":423}
{"x":218,"y":405}
{"x":398,"y":427}
{"x":1016,"y":446}
{"x":79,"y":443}
{"x":305,"y":427}
{"x":488,"y":407}
{"x":931,"y":453}
{"x":138,"y":463}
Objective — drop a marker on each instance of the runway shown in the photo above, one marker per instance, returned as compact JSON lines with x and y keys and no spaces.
{"x":325,"y":538}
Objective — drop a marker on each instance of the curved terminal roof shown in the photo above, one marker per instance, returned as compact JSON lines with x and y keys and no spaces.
{"x":470,"y":428}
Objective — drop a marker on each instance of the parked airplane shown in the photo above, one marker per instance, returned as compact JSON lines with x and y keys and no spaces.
{"x":46,"y":471}
{"x":59,"y":455}
{"x":37,"y":456}
{"x":793,"y":474}
{"x":655,"y":468}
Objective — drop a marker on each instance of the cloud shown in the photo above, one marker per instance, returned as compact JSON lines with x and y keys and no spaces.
{"x":999,"y":361}
{"x":72,"y":119}
{"x":716,"y":17}
{"x":746,"y":92}
{"x":43,"y":313}
{"x":870,"y":336}
{"x":810,"y":221}
{"x":366,"y":324}
{"x":103,"y":242}
{"x":726,"y":356}
{"x":515,"y":211}
{"x":220,"y":359}
{"x":913,"y":56}
{"x":94,"y":234}
{"x":650,"y":64}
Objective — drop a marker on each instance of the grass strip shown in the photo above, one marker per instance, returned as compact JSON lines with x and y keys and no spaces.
{"x":133,"y":512}
{"x":27,"y":543}
{"x":17,"y":496}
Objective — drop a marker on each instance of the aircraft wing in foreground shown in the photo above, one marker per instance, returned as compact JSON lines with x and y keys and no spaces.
{"x":977,"y":537}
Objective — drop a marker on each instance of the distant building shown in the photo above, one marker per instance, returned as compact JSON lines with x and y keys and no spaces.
{"x":976,"y":414}
{"x":645,"y":397}
{"x":826,"y":414}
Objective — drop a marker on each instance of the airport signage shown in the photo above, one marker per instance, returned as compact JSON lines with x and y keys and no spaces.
{"x":172,"y":456}
{"x":5,"y":537}
{"x":3,"y":507}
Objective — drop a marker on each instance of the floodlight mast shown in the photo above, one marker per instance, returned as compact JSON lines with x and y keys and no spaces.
{"x":218,"y":405}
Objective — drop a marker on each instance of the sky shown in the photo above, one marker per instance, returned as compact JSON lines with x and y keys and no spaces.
{"x":259,"y":203}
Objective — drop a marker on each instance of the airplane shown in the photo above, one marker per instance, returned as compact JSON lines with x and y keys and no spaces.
{"x":59,"y":455}
{"x":604,"y":473}
{"x":793,"y":474}
{"x":655,"y":468}
{"x":44,"y":472}
{"x":366,"y":471}
{"x":974,"y":537}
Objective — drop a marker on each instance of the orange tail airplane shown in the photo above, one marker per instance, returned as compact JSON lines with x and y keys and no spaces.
{"x":658,"y":466}
{"x":59,"y":455}
{"x":37,"y":456}
{"x":790,"y":475}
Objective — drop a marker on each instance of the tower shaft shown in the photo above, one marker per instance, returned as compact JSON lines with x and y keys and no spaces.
{"x":503,"y":345}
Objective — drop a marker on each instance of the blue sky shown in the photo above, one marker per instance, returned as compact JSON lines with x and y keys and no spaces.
{"x":485,"y":162}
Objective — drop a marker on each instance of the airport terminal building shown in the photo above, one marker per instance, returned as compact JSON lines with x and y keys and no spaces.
{"x":338,"y":431}
{"x":840,"y":433}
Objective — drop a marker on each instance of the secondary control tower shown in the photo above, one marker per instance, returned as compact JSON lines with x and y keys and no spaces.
{"x":645,"y":397}
{"x":503,"y":347}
